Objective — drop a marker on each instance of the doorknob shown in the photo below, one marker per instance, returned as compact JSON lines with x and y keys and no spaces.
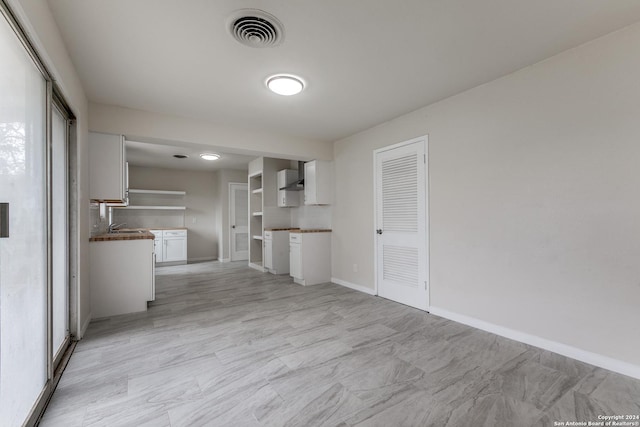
{"x":379,"y":231}
{"x":233,"y":226}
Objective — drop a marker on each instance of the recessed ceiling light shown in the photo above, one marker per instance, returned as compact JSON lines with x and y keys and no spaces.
{"x":180,"y":156}
{"x":209,"y":156}
{"x":285,"y":84}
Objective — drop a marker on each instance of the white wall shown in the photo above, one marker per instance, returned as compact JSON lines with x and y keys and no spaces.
{"x":144,"y":124}
{"x":38,"y":21}
{"x":199,"y":218}
{"x":534,"y":199}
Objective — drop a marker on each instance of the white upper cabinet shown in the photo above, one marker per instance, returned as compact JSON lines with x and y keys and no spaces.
{"x":287,"y":198}
{"x":318,"y":183}
{"x":107,"y":168}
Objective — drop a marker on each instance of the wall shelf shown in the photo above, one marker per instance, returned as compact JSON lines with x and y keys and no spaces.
{"x":165,"y":192}
{"x":257,"y":237}
{"x":257,"y":214}
{"x":257,"y":191}
{"x":165,"y":208}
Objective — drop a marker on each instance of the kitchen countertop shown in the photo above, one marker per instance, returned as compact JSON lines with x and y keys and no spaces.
{"x":311,"y":230}
{"x":146,"y":234}
{"x":280,"y":229}
{"x":110,"y":237}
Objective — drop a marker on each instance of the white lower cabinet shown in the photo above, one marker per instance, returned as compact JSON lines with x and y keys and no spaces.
{"x":310,"y":257}
{"x":157,"y":245}
{"x":121,"y":276}
{"x":171,"y":246}
{"x":276,"y":251}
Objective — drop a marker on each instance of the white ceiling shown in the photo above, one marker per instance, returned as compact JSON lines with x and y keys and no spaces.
{"x":365,"y":61}
{"x":160,"y":154}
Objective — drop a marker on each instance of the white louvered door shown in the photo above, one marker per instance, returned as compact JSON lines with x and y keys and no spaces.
{"x":402,"y":262}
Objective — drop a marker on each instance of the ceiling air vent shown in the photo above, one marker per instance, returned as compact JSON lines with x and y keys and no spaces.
{"x":256,"y":28}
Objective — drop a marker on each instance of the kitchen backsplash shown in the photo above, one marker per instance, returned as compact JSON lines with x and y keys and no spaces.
{"x":311,"y":217}
{"x":134,"y":219}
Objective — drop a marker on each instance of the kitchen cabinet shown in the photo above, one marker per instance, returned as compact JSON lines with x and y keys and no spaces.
{"x":121,"y":276}
{"x":171,"y":246}
{"x":276,"y":251}
{"x":287,"y":198}
{"x":108,"y":173}
{"x":175,"y":246}
{"x":318,"y":182}
{"x":310,"y":257}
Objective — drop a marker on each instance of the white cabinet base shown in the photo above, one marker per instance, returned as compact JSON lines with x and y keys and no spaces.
{"x":120,"y":276}
{"x":276,"y":251}
{"x":171,"y":247}
{"x":310,"y":258}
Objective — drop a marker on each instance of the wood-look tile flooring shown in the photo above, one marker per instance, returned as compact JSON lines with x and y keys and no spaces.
{"x":224,"y":345}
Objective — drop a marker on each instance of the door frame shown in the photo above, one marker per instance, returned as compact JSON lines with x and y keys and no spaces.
{"x":231,"y":184}
{"x":54,"y":98}
{"x":427,"y":240}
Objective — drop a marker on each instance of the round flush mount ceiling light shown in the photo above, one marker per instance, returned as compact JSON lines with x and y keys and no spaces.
{"x":209,"y":156}
{"x":285,"y":84}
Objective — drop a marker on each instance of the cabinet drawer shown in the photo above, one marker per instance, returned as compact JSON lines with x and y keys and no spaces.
{"x":174,"y":233}
{"x":295,"y":237}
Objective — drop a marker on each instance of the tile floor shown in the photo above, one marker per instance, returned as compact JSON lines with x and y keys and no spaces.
{"x":224,"y":345}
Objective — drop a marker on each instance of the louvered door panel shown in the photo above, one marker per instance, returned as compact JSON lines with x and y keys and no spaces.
{"x":399,"y":194}
{"x":400,"y":265}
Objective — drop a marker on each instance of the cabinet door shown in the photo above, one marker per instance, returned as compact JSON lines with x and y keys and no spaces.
{"x":288,"y":199}
{"x":310,"y":183}
{"x":175,"y":249}
{"x":268,"y":254}
{"x":107,"y":168}
{"x":295,"y":260}
{"x":318,"y":182}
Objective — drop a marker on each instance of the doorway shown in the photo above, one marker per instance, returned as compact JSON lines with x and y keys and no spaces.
{"x":239,"y":221}
{"x":401,"y":223}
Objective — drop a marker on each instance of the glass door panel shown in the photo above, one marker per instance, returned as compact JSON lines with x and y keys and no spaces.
{"x":60,"y":267}
{"x":23,"y":265}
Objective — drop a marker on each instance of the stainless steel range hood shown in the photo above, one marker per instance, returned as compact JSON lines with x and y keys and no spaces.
{"x":297,"y":185}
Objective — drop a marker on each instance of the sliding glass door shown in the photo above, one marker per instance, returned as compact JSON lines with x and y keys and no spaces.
{"x":34,"y":242}
{"x":23,"y":249}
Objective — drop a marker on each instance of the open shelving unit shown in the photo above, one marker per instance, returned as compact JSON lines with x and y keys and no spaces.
{"x":169,"y":200}
{"x":263,"y":207}
{"x":255,"y":221}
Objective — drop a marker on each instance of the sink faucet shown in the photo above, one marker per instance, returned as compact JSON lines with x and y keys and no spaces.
{"x":113,"y":226}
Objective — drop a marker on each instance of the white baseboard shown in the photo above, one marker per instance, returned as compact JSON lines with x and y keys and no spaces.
{"x":201,"y":259}
{"x":556,"y":347}
{"x":84,"y":326}
{"x":224,"y":259}
{"x":257,"y":267}
{"x":353,"y":286}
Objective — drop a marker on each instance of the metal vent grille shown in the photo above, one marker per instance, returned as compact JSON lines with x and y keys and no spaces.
{"x":256,"y":28}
